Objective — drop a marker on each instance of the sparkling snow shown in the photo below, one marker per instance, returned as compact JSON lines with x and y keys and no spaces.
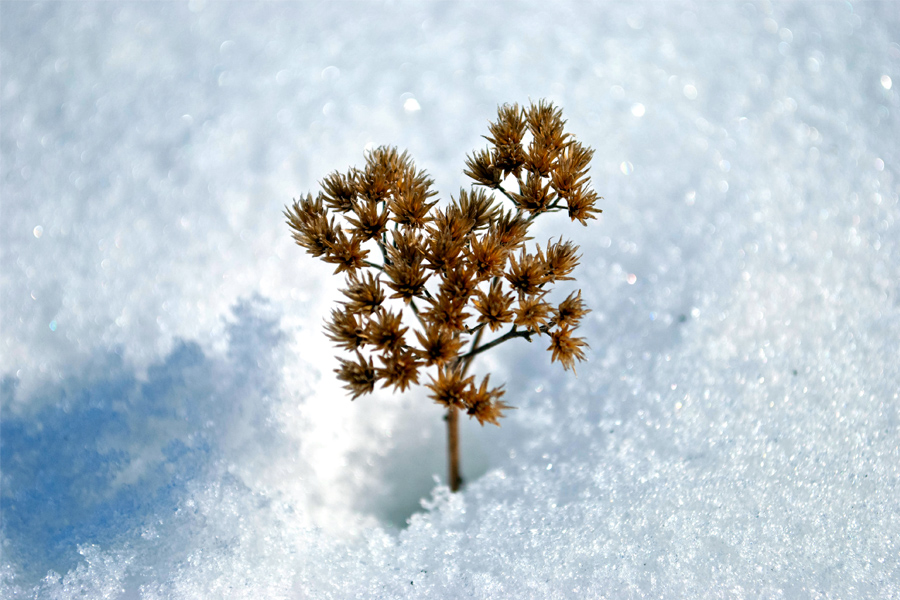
{"x":171,"y":427}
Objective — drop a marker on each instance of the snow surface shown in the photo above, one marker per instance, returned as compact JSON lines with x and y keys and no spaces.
{"x":171,"y":427}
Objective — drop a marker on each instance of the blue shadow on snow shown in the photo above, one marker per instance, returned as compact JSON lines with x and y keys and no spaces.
{"x":106,"y":453}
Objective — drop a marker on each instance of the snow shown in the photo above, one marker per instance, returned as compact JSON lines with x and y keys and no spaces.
{"x":171,"y":427}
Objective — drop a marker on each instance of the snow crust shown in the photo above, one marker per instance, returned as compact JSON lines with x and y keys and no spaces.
{"x":170,"y":423}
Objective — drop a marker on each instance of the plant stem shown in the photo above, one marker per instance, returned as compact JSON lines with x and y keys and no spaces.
{"x":453,"y":419}
{"x":453,"y":447}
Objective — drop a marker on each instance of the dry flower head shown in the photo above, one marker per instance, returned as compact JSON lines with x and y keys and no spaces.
{"x":459,"y":270}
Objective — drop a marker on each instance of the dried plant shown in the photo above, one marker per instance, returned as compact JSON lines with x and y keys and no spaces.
{"x":459,"y":270}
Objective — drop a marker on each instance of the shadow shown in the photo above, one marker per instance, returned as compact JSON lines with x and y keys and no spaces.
{"x":106,"y":453}
{"x":413,"y":458}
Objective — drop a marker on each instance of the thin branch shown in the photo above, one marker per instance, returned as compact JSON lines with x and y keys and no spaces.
{"x":471,"y":330}
{"x":507,"y":194}
{"x":474,"y":349}
{"x":415,"y":309}
{"x":555,"y":207}
{"x":511,"y":334}
{"x":384,"y":255}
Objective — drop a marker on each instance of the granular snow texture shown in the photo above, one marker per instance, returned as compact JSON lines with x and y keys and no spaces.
{"x":171,"y":426}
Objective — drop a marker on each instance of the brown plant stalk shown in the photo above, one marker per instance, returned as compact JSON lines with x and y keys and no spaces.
{"x":462,"y":270}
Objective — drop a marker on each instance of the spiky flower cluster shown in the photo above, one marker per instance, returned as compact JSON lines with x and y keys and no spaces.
{"x":460,"y":270}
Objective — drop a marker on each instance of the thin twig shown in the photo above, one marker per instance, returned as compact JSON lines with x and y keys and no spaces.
{"x":507,"y":194}
{"x":384,"y":255}
{"x":415,"y":309}
{"x":475,"y":329}
{"x":467,"y":358}
{"x":511,"y":334}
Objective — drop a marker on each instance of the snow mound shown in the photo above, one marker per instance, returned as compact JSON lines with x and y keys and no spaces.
{"x":171,"y":427}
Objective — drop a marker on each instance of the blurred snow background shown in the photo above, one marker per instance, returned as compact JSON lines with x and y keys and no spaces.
{"x":170,"y":423}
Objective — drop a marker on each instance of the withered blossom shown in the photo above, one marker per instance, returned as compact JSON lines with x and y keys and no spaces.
{"x":527,"y":273}
{"x":385,"y":331}
{"x":366,"y":295}
{"x":310,"y":226}
{"x":539,"y":160}
{"x":506,"y":136}
{"x":406,"y":246}
{"x":536,"y":196}
{"x":571,"y":172}
{"x":546,"y":124}
{"x":359,"y":375}
{"x":511,"y":229}
{"x":445,"y":242}
{"x":410,"y":206}
{"x":439,"y":345}
{"x":533,"y":312}
{"x":345,"y":329}
{"x":383,"y":167}
{"x":565,"y":348}
{"x":475,"y":208}
{"x":482,"y":168}
{"x":404,"y":268}
{"x":451,"y":388}
{"x":494,"y":306}
{"x":368,"y":220}
{"x":401,"y":369}
{"x":447,"y":311}
{"x":454,"y":267}
{"x":570,"y":311}
{"x":339,"y":191}
{"x":484,"y":404}
{"x":487,"y":256}
{"x":581,"y":206}
{"x":345,"y":253}
{"x":561,"y":258}
{"x":458,"y":282}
